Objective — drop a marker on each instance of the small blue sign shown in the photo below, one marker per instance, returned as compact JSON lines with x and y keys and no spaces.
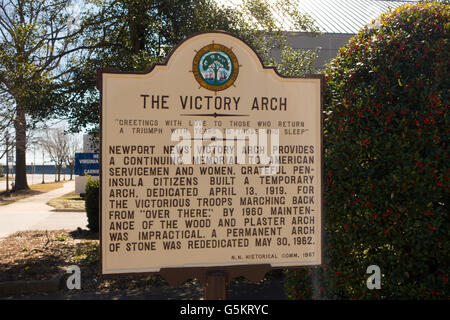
{"x":87,"y":163}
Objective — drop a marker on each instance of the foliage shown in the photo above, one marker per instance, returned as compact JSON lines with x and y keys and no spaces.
{"x":132,"y":35}
{"x":386,"y":159}
{"x":263,"y":31}
{"x":34,"y":41}
{"x":298,"y":284}
{"x":92,"y":203}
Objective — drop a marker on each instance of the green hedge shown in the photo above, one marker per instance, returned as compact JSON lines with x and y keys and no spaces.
{"x":92,"y":202}
{"x":386,"y":134}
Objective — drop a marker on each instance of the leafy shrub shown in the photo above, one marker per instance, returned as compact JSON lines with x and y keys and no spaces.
{"x":386,"y":134}
{"x":92,"y":202}
{"x":298,"y":284}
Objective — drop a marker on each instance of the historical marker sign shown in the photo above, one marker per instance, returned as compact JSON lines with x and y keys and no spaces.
{"x":210,"y":160}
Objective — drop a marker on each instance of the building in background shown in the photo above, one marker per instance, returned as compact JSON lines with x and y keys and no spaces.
{"x":90,"y":143}
{"x":338,"y":20}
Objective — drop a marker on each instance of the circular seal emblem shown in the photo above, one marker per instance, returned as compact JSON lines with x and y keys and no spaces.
{"x":215,"y":67}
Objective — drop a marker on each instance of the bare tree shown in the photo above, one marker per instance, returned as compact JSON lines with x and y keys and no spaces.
{"x":74,"y":146}
{"x":57,"y":145}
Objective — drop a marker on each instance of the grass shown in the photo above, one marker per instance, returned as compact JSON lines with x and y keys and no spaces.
{"x":35,"y":189}
{"x":70,"y":201}
{"x":39,"y":255}
{"x":34,"y":255}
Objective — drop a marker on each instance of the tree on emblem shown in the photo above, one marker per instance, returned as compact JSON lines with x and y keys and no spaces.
{"x":215,"y":62}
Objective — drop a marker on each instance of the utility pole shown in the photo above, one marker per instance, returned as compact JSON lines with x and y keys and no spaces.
{"x":12,"y":167}
{"x":43,"y":165}
{"x":34,"y":164}
{"x":7,"y":164}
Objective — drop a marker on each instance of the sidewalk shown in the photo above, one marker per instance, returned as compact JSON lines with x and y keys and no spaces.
{"x":33,"y":214}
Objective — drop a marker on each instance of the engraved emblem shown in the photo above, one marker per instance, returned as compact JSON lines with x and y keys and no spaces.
{"x":215,"y":67}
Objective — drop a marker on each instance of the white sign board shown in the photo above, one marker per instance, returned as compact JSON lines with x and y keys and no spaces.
{"x":210,"y":160}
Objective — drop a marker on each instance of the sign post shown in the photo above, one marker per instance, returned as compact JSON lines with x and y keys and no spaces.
{"x":211,"y":166}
